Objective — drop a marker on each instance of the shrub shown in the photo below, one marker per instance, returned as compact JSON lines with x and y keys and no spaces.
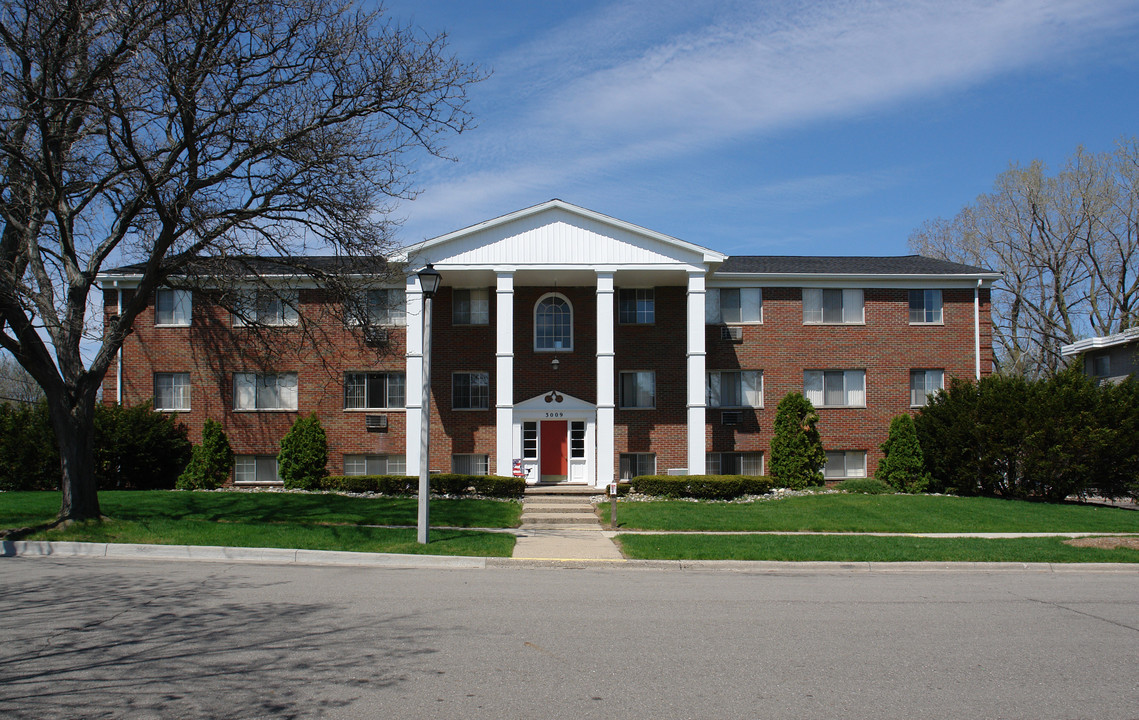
{"x":303,"y":460}
{"x":865,"y":486}
{"x":797,"y":456}
{"x":210,"y":463}
{"x":29,"y":458}
{"x":443,"y":484}
{"x":704,"y":487}
{"x":137,"y":448}
{"x":903,"y":467}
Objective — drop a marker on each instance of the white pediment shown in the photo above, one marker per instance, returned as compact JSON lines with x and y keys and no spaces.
{"x":554,"y":400}
{"x":559,"y":234}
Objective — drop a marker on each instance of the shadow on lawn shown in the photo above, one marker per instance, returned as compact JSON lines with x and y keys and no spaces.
{"x":91,"y":643}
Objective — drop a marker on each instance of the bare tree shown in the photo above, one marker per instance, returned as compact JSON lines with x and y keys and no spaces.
{"x":16,"y":385}
{"x":1068,"y":246}
{"x":172,"y":133}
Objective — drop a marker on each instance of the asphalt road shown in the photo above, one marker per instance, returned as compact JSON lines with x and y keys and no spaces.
{"x":105,"y":638}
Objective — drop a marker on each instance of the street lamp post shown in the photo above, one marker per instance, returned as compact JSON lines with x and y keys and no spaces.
{"x":428,"y":282}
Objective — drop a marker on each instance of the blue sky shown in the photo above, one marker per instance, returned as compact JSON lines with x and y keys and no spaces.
{"x":772,"y":127}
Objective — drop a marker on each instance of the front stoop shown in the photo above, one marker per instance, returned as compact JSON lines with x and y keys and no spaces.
{"x":559,"y":524}
{"x":553,"y":507}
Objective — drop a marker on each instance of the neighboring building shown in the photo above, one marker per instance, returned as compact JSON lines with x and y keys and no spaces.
{"x":1109,"y":358}
{"x":581,"y":346}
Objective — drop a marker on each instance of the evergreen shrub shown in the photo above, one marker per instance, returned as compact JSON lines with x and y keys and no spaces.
{"x":797,"y":455}
{"x":903,"y":467}
{"x":303,"y":460}
{"x":211,"y":462}
{"x":704,"y":487}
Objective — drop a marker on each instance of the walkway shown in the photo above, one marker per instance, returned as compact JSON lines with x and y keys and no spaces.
{"x":559,"y":523}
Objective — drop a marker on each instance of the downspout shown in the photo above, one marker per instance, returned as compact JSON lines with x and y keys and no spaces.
{"x":977,"y":326}
{"x":119,"y":364}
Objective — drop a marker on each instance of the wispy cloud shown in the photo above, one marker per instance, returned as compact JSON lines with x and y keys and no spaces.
{"x":641,"y":82}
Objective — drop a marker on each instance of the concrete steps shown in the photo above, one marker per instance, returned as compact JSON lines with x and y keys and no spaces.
{"x":552,"y":507}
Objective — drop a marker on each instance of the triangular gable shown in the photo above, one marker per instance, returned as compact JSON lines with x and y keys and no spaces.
{"x":567,"y":402}
{"x":561,"y":234}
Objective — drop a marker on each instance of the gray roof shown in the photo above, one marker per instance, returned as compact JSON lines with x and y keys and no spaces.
{"x":843,"y":265}
{"x":252,"y":265}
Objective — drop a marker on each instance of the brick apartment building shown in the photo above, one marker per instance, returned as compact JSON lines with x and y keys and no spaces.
{"x":572,"y":347}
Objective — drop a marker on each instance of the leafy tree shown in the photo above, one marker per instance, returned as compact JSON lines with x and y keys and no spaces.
{"x":166,"y":134}
{"x":1067,"y":247}
{"x":797,"y":456}
{"x":903,"y":467}
{"x":303,"y":461}
{"x":211,"y":461}
{"x":137,"y":448}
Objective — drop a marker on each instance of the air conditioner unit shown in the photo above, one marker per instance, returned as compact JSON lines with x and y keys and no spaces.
{"x":732,"y":333}
{"x":376,"y":423}
{"x":375,"y":335}
{"x":731,"y":417}
{"x":678,"y":471}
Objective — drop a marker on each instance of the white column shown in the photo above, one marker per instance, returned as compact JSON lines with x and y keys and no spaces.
{"x":976,"y":327}
{"x":606,"y":380}
{"x":414,"y":376}
{"x":504,"y":375}
{"x":696,"y":374}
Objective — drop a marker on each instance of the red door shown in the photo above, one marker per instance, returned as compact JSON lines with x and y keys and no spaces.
{"x":554,"y":445}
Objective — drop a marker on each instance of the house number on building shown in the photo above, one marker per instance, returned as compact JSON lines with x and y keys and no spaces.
{"x":554,"y":414}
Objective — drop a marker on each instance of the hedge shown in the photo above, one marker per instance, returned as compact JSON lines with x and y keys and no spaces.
{"x":441,"y":484}
{"x":704,"y":487}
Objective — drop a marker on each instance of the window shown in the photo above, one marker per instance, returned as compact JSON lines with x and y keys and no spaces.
{"x":470,"y":307}
{"x":734,"y":463}
{"x":469,"y":464}
{"x":735,"y":388}
{"x":373,"y":391}
{"x":924,"y":383}
{"x":835,"y":388}
{"x":733,"y":305}
{"x":635,"y":464}
{"x":264,"y":307}
{"x":832,"y":306}
{"x":636,"y":306}
{"x":470,"y":391}
{"x":172,"y":307}
{"x":577,"y":439}
{"x":1101,"y":366}
{"x":529,"y":441}
{"x":255,"y":469}
{"x":553,"y":324}
{"x":845,"y":464}
{"x":638,"y":389}
{"x":269,"y":391}
{"x":374,"y":465}
{"x":925,"y":306}
{"x":387,"y":306}
{"x":172,"y":391}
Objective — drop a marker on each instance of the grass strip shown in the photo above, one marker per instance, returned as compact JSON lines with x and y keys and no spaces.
{"x":874,"y":513}
{"x":862,"y":548}
{"x":19,"y":509}
{"x":164,"y":531}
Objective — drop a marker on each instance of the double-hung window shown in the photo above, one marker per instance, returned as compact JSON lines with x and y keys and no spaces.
{"x":374,"y":465}
{"x":374,"y":391}
{"x":172,"y":391}
{"x":734,"y":463}
{"x":924,"y":383}
{"x":735,"y":388}
{"x":638,"y":389}
{"x":267,"y":307}
{"x":636,"y":306}
{"x":636,"y":464}
{"x":470,"y":391}
{"x":470,"y":464}
{"x":172,"y":307}
{"x":730,"y":306}
{"x":835,"y":388}
{"x":255,"y":469}
{"x":265,"y":391}
{"x":470,"y":306}
{"x":387,"y":306}
{"x":826,"y":306}
{"x":553,"y":324}
{"x":925,"y":307}
{"x":845,"y":464}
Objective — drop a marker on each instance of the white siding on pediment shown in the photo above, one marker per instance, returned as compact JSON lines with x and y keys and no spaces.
{"x":560,"y":238}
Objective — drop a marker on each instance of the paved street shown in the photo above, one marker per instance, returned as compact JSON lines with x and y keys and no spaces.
{"x":107,"y":638}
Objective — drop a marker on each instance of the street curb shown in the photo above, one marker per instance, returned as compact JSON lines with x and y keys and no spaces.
{"x":282,"y":556}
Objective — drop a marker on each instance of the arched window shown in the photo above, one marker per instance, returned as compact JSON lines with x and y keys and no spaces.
{"x":553,"y":324}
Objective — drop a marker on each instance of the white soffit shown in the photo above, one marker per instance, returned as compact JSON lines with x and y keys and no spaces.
{"x":1103,"y":341}
{"x":558,"y":234}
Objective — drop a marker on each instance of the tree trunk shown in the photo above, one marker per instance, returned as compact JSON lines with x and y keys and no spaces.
{"x":74,"y":425}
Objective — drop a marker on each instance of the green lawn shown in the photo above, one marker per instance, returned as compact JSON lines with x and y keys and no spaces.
{"x":873,"y":513}
{"x":289,"y":520}
{"x":863,"y":548}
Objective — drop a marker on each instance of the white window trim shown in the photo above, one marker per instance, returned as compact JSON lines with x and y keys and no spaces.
{"x":638,"y":455}
{"x":719,"y":460}
{"x":714,"y":380}
{"x":239,"y":457}
{"x":394,"y":408}
{"x":927,"y":371}
{"x":251,"y":300}
{"x":454,"y":408}
{"x":620,"y":290}
{"x":845,"y":389}
{"x":183,"y":300}
{"x":572,"y":315}
{"x":621,"y":399}
{"x":845,"y":465}
{"x":481,"y":459}
{"x":257,"y":379}
{"x":941,"y":302}
{"x":847,"y":293}
{"x":484,"y":290}
{"x":713,"y":314}
{"x":188,"y":387}
{"x":364,"y":457}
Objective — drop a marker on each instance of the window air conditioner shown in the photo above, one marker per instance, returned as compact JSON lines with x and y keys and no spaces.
{"x":731,"y":417}
{"x":375,"y":335}
{"x":376,"y":423}
{"x":732,"y":333}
